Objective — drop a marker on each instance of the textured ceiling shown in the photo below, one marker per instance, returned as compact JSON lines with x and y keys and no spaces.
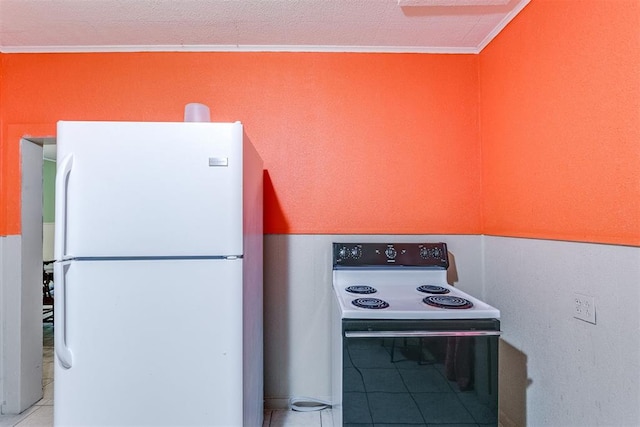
{"x":457,"y":26}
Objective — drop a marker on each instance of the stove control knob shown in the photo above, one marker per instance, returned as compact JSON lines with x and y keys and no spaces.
{"x":424,"y":253}
{"x":437,"y":253}
{"x":343,"y":253}
{"x":390,"y":252}
{"x":356,"y":252}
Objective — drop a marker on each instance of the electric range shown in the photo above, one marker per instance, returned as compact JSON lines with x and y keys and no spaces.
{"x":409,"y":348}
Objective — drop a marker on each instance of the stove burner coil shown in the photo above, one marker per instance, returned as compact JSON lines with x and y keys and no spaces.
{"x":447,"y":301}
{"x":361,"y":289}
{"x":433,"y":289}
{"x":373,"y":303}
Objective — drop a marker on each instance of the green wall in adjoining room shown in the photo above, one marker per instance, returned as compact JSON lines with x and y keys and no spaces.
{"x":48,"y":190}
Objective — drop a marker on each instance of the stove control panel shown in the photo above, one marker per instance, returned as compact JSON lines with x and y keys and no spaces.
{"x":433,"y":255}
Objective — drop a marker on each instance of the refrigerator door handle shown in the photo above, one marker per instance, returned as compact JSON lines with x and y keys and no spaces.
{"x":59,"y":317}
{"x":60,"y":229}
{"x":59,"y":313}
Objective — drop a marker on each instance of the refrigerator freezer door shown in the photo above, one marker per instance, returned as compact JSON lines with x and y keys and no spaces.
{"x":153,"y":344}
{"x":150,"y":189}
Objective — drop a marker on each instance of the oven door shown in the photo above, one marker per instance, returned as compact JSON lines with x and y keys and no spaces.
{"x":424,"y":372}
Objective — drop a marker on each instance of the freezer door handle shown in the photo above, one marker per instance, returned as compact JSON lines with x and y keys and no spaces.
{"x":60,"y":229}
{"x":59,"y":316}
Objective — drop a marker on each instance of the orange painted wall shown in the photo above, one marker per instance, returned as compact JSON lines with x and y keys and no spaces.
{"x":560,"y":123}
{"x":3,"y":199}
{"x":352,"y":143}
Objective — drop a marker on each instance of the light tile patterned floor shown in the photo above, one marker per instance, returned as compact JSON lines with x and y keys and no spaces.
{"x":41,"y":414}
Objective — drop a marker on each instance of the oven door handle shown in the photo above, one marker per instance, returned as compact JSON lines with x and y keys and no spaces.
{"x":419,"y":334}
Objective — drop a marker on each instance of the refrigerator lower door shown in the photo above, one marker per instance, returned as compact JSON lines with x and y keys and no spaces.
{"x":152,"y":343}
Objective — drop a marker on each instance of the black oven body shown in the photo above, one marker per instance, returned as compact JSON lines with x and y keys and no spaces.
{"x":420,"y":372}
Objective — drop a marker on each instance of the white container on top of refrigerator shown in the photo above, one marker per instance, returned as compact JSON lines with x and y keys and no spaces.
{"x":158,"y":272}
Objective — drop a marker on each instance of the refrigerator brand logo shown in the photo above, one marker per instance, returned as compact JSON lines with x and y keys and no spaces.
{"x":218,"y":161}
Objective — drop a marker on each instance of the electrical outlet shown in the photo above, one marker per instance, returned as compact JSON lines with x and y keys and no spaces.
{"x":584,"y":308}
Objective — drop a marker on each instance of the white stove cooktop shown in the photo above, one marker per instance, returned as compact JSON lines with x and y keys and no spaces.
{"x":398,"y":288}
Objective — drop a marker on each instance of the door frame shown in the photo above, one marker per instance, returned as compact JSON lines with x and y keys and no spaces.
{"x":21,"y":290}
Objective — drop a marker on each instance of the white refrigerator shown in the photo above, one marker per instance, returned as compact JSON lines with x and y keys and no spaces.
{"x":158,"y":273}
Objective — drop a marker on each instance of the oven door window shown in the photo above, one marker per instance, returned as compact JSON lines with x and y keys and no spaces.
{"x":417,"y":378}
